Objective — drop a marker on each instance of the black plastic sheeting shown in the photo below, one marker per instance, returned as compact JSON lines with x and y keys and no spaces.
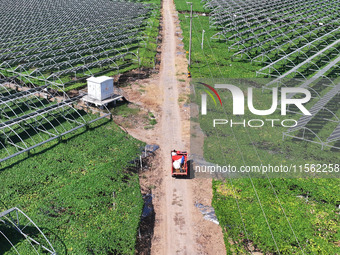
{"x":149,"y":150}
{"x":148,"y":206}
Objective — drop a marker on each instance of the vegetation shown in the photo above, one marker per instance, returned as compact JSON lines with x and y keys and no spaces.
{"x":312,"y":217}
{"x":271,"y":214}
{"x":309,"y":205}
{"x":80,"y":192}
{"x":125,"y":110}
{"x":144,"y":48}
{"x":148,"y":52}
{"x":214,"y":60}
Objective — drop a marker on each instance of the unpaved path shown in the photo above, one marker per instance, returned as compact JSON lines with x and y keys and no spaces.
{"x":176,"y":222}
{"x":179,"y":226}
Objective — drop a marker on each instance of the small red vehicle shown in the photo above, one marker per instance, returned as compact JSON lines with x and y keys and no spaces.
{"x":180,"y":166}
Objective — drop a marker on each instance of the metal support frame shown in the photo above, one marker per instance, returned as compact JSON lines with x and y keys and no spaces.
{"x":35,"y":116}
{"x":19,"y":221}
{"x":315,"y":109}
{"x":295,"y":40}
{"x":77,"y":42}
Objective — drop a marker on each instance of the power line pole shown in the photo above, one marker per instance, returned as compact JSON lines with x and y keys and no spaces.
{"x":190,"y":41}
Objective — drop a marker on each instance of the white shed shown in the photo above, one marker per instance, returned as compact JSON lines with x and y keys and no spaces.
{"x":100,"y":88}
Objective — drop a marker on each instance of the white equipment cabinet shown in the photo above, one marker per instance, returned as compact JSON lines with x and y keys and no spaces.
{"x":100,"y":88}
{"x":100,"y":92}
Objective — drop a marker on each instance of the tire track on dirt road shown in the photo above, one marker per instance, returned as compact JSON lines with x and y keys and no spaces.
{"x":176,"y":235}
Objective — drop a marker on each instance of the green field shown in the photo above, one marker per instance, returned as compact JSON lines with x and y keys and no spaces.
{"x":270,"y":214}
{"x":309,"y":205}
{"x":67,"y":189}
{"x":214,"y":60}
{"x":81,"y":189}
{"x":141,"y":54}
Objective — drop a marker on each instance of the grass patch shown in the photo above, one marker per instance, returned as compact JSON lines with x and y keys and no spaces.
{"x":214,"y":60}
{"x":145,"y":48}
{"x":153,"y":122}
{"x":183,"y":99}
{"x":125,"y":110}
{"x":310,"y":204}
{"x":68,"y":191}
{"x":152,"y":119}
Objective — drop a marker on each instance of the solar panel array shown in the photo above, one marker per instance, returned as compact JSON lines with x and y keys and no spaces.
{"x":297,"y":43}
{"x":49,"y":40}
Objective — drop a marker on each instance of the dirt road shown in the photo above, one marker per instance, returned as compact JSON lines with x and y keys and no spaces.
{"x":179,"y":226}
{"x":176,"y":227}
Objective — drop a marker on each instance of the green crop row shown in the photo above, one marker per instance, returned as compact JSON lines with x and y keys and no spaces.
{"x":145,"y":51}
{"x":264,"y":218}
{"x":78,"y":191}
{"x":270,"y":214}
